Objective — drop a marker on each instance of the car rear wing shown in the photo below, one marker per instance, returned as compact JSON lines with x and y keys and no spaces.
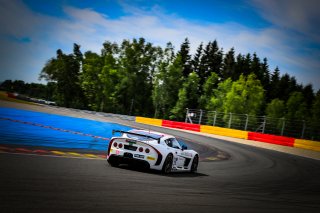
{"x":137,"y":134}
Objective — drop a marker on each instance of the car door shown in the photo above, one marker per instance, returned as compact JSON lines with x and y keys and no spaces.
{"x":178,"y":160}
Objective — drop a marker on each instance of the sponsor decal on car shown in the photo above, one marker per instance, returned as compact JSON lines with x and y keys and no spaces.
{"x":138,"y":156}
{"x":131,"y":142}
{"x":150,"y":158}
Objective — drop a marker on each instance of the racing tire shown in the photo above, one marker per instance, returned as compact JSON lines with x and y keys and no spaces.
{"x":167,"y":165}
{"x":194,"y":165}
{"x":113,"y":162}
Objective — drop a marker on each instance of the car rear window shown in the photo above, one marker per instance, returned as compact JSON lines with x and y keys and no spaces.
{"x":144,"y":138}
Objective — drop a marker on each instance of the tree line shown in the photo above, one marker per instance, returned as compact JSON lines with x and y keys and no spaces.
{"x":34,"y":90}
{"x":138,"y":78}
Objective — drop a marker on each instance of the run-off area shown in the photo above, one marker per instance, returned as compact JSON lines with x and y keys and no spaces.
{"x":22,"y":127}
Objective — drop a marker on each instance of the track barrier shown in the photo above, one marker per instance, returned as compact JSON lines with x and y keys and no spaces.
{"x":255,"y":136}
{"x":151,"y":121}
{"x":273,"y":139}
{"x":224,"y":131}
{"x":181,"y":125}
{"x":307,"y":144}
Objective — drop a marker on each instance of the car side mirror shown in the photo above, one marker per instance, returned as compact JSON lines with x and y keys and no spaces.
{"x":184,"y":147}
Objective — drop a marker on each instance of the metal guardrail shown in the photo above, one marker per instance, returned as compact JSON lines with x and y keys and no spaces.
{"x":263,"y":124}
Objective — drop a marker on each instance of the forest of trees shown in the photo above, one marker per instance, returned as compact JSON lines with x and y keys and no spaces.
{"x":138,"y":78}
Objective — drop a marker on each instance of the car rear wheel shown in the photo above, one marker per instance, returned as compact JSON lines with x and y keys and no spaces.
{"x":195,"y":163}
{"x":167,"y":165}
{"x":113,"y":162}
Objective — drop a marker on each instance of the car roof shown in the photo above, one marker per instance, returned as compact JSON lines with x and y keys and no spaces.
{"x":156,"y":135}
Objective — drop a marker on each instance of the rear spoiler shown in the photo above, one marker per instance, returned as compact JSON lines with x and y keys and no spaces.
{"x":133,"y":133}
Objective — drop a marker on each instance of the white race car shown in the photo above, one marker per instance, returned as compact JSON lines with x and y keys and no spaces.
{"x":153,"y":150}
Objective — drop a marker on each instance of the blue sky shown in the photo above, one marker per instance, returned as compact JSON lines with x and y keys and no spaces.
{"x":286,"y":32}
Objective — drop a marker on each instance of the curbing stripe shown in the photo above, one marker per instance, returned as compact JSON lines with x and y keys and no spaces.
{"x":90,"y":155}
{"x":4,"y":149}
{"x":39,"y":151}
{"x":23,"y":150}
{"x":74,"y":154}
{"x":58,"y":153}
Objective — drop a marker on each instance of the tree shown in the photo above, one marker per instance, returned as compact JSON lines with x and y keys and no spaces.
{"x":296,"y":107}
{"x":196,"y":61}
{"x":275,"y":112}
{"x":316,"y":108}
{"x":266,"y":79}
{"x":276,"y":108}
{"x":187,"y":97}
{"x":309,"y":95}
{"x":255,"y":67}
{"x":315,"y":122}
{"x":245,"y":97}
{"x":109,"y":77}
{"x":229,"y":64}
{"x":243,"y":65}
{"x":65,"y":70}
{"x":137,"y":62}
{"x":208,"y":91}
{"x":90,"y":80}
{"x":136,"y":77}
{"x":274,"y":84}
{"x":100,"y":77}
{"x":212,"y":60}
{"x":219,"y":95}
{"x":185,"y":57}
{"x":284,"y":87}
{"x":167,"y":84}
{"x":6,"y":86}
{"x":33,"y":90}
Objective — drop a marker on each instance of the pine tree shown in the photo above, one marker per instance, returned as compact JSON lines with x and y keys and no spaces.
{"x":255,"y":67}
{"x":185,"y":57}
{"x":309,"y":95}
{"x":229,"y":65}
{"x":196,"y":59}
{"x":274,"y":86}
{"x":214,"y":59}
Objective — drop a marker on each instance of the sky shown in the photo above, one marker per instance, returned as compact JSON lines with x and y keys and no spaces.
{"x":286,"y":32}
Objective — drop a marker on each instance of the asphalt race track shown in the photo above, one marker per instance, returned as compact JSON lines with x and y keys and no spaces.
{"x":245,"y":179}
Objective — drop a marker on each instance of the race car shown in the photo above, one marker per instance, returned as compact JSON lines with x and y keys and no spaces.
{"x":152,"y":150}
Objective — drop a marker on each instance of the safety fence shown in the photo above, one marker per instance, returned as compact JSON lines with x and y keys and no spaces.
{"x":235,"y":133}
{"x":263,"y":124}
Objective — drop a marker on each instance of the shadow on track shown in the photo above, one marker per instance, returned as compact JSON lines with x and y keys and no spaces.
{"x":159,"y":173}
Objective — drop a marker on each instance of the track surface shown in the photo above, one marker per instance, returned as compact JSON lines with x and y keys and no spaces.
{"x":249,"y":180}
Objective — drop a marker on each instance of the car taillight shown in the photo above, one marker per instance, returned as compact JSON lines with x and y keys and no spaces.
{"x":140,"y":149}
{"x":115,"y":144}
{"x":147,"y":150}
{"x":120,"y":145}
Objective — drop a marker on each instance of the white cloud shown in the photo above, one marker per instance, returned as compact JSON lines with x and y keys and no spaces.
{"x":296,"y":15}
{"x":90,"y":29}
